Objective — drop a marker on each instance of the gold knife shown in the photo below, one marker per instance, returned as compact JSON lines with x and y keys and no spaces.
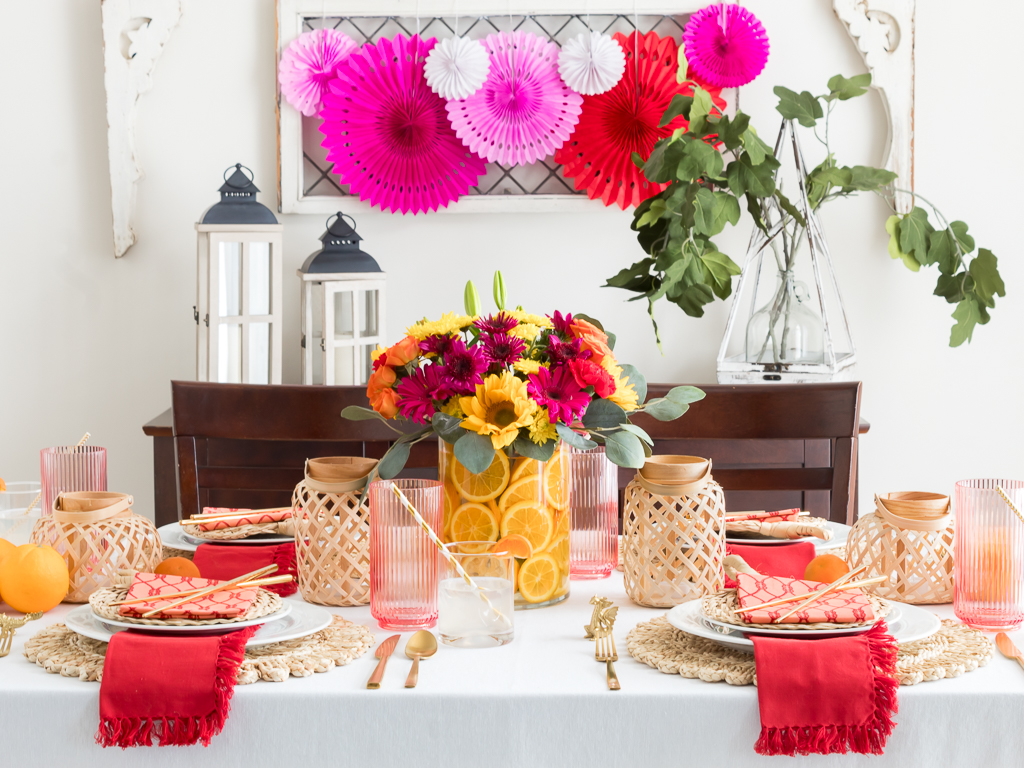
{"x":384,"y":651}
{"x":1008,"y":649}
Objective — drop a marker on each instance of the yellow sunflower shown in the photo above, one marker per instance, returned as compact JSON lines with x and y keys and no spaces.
{"x":448,"y":324}
{"x":625,"y":394}
{"x":542,"y":430}
{"x":500,"y":408}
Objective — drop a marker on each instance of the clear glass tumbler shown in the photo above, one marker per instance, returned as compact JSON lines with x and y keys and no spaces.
{"x":405,"y":565}
{"x":69,"y":468}
{"x":989,"y":555}
{"x":594,"y":539}
{"x":477,"y":615}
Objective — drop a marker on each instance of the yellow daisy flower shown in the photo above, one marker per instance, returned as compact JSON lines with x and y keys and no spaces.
{"x":448,"y":324}
{"x":452,"y":408}
{"x":526,"y":331}
{"x":528,"y":366}
{"x":542,"y":430}
{"x":625,"y":394}
{"x":377,"y":353}
{"x":499,"y":409}
{"x":526,"y":317}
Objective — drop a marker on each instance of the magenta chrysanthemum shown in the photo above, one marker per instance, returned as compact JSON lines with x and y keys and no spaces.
{"x":561,"y":323}
{"x":499,"y":323}
{"x":418,"y":392}
{"x":725,"y":45}
{"x":561,"y":352}
{"x":501,"y":349}
{"x":464,"y":368}
{"x":437,"y":345}
{"x":559,"y":393}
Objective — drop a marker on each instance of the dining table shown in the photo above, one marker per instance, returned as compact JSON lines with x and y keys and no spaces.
{"x":540,"y":701}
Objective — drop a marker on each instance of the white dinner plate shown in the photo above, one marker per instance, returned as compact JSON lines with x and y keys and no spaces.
{"x":915,"y":624}
{"x":300,"y":620}
{"x":192,"y":629}
{"x":780,"y":630}
{"x":171,"y":535}
{"x":840,"y":533}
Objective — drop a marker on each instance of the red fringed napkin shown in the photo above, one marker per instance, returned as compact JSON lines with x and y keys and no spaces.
{"x":789,"y":560}
{"x":828,"y":696}
{"x":229,"y":561}
{"x":175,"y":689}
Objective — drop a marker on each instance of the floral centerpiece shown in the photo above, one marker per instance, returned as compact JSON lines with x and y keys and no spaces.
{"x":506,"y":393}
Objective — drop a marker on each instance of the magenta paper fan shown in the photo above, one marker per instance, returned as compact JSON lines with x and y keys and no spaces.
{"x":388,"y":134}
{"x":524,"y":111}
{"x":308,"y":63}
{"x":726,"y":45}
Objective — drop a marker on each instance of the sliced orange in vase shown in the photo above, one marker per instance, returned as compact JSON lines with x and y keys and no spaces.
{"x":483,"y":487}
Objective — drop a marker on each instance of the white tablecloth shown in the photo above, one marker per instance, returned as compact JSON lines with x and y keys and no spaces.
{"x":540,"y":701}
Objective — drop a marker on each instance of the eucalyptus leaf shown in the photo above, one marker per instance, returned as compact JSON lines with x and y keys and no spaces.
{"x":524,"y":446}
{"x":394,"y":460}
{"x":625,"y":450}
{"x":574,"y":439}
{"x":685,"y":395}
{"x":642,"y":434}
{"x":638,"y":380}
{"x":664,"y":409}
{"x":475,"y":452}
{"x":358,"y":413}
{"x":448,"y":428}
{"x":603,"y":414}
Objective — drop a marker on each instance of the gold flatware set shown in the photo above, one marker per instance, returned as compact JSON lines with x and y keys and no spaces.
{"x":602,"y":622}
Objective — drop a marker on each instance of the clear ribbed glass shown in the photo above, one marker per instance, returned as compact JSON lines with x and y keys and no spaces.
{"x":478,"y":615}
{"x":65,"y":469}
{"x":989,"y":559}
{"x":594,"y":539}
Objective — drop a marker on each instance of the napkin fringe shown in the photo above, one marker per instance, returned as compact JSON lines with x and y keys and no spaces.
{"x":127,"y":732}
{"x":868,"y":738}
{"x":284,"y":559}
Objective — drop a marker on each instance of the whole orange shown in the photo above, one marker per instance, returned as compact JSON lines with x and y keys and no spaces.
{"x":826,"y":569}
{"x":178,"y":566}
{"x":33,"y":578}
{"x":5,"y":549}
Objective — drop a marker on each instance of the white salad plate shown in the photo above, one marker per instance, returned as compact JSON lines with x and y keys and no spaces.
{"x":295,"y":620}
{"x":914,"y":623}
{"x":840,"y":533}
{"x":171,"y":535}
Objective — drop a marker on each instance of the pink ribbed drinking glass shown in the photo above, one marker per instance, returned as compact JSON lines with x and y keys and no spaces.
{"x":70,"y":468}
{"x":594,"y":540}
{"x":989,"y":555}
{"x":404,"y":563}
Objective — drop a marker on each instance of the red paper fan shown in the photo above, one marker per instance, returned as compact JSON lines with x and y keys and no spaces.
{"x":624,"y":120}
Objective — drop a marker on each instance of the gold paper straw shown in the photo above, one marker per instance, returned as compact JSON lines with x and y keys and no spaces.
{"x":39,"y":495}
{"x":1009,"y":503}
{"x":444,"y":552}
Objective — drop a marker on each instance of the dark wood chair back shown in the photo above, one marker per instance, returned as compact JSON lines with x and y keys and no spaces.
{"x":773,"y":446}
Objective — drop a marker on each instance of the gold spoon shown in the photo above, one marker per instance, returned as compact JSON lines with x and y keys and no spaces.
{"x":422,"y":645}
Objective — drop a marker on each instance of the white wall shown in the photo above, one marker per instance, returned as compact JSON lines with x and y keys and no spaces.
{"x":88,"y":342}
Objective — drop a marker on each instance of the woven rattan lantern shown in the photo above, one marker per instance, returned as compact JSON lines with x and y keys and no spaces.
{"x":673,"y":540}
{"x":909,"y":538}
{"x":238,"y":287}
{"x":98,"y":534}
{"x":342,"y":307}
{"x":332,"y":531}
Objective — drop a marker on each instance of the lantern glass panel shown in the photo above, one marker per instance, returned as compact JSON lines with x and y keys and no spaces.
{"x":259,"y":279}
{"x":370,"y":314}
{"x":367,"y":363}
{"x":259,"y":353}
{"x":229,"y":353}
{"x":229,"y":277}
{"x":344,"y":364}
{"x":343,"y":326}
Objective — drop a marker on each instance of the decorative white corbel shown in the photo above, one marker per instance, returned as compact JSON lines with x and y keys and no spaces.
{"x":883,"y":31}
{"x":134,"y":33}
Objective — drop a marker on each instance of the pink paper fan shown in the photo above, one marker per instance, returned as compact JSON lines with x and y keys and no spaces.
{"x":524,"y":111}
{"x":308,"y":63}
{"x":726,"y":45}
{"x":387,"y":133}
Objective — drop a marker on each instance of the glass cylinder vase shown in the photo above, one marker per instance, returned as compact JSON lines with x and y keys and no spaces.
{"x":522,"y":502}
{"x":989,"y":555}
{"x":405,"y":564}
{"x":594,"y":541}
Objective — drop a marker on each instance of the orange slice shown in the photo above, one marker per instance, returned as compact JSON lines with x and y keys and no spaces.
{"x":560,"y":551}
{"x":524,"y":467}
{"x":451,"y":503}
{"x":474,"y":522}
{"x":526,"y":488}
{"x":539,"y":578}
{"x":515,"y":545}
{"x":533,"y":521}
{"x":485,"y":486}
{"x":556,"y":481}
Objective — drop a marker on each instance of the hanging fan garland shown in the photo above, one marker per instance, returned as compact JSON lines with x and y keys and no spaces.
{"x":387,"y":133}
{"x":624,"y":120}
{"x":591,"y":63}
{"x":457,"y":67}
{"x":308,"y":64}
{"x":524,"y":111}
{"x":726,"y":45}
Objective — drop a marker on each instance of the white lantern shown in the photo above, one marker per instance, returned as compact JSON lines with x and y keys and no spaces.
{"x":238,"y":287}
{"x":342,"y":307}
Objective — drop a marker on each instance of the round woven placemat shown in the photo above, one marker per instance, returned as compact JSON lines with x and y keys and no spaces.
{"x":100,"y":600}
{"x":950,"y":652}
{"x":720,"y":607}
{"x":60,"y":651}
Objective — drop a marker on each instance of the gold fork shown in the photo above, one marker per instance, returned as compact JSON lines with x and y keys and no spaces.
{"x":604,"y":650}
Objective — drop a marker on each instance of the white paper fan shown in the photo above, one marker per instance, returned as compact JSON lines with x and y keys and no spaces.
{"x":591,"y":63}
{"x":457,"y":67}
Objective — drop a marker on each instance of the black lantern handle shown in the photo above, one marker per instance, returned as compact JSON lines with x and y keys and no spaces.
{"x":240,"y":167}
{"x":340,"y":215}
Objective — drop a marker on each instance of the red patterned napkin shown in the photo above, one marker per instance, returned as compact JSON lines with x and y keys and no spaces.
{"x":219,"y":605}
{"x":242,"y":518}
{"x":788,"y":560}
{"x":826,"y":696}
{"x":836,"y":607}
{"x":175,"y":689}
{"x":779,"y":516}
{"x":229,"y":561}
